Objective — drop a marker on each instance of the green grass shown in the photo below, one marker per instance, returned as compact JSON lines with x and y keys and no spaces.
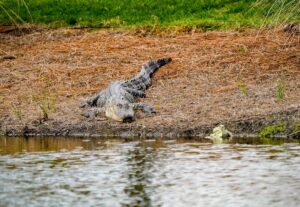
{"x":204,"y":14}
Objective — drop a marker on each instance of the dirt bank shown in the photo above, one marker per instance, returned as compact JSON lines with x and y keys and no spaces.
{"x":245,"y":80}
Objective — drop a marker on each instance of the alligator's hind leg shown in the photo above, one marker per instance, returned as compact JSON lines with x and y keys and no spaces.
{"x":135,"y":92}
{"x":144,"y":107}
{"x":93,"y":112}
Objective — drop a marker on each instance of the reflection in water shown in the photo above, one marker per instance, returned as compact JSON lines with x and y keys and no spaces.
{"x":10,"y":145}
{"x":115,"y":172}
{"x":139,"y":161}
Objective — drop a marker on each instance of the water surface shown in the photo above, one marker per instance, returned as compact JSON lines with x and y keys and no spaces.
{"x":117,"y":172}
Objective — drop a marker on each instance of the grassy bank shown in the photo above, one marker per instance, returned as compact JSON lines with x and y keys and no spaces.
{"x":204,"y":14}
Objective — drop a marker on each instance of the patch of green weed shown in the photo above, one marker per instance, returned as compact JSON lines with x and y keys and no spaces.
{"x":296,"y":127}
{"x":243,"y":87}
{"x":268,"y":131}
{"x":19,"y":113}
{"x":2,"y":133}
{"x":243,"y":49}
{"x":280,"y":91}
{"x":46,"y":104}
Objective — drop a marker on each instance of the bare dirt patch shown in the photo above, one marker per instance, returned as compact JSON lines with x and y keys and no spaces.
{"x":216,"y":77}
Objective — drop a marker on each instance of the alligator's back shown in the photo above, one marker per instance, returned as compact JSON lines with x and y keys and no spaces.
{"x":143,"y":80}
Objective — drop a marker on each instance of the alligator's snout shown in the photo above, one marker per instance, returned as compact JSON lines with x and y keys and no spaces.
{"x":120,"y":112}
{"x":128,"y":119}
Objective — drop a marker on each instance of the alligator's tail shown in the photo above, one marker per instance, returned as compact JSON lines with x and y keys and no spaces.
{"x":143,"y":80}
{"x":152,"y":66}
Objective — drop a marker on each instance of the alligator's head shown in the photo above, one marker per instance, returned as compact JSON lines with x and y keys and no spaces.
{"x":122,"y":112}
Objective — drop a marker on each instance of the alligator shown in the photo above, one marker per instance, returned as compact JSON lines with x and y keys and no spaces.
{"x":118,"y":100}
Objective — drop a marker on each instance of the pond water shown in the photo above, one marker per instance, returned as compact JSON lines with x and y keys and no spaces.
{"x":117,"y":172}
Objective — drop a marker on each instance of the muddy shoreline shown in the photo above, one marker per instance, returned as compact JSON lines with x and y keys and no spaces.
{"x":244,"y":128}
{"x":245,"y":80}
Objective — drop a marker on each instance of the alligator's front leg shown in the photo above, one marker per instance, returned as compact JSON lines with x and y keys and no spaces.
{"x":144,"y":107}
{"x":90,"y":102}
{"x":98,"y":100}
{"x":93,"y":112}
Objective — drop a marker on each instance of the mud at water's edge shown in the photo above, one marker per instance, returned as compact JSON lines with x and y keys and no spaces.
{"x":250,"y":127}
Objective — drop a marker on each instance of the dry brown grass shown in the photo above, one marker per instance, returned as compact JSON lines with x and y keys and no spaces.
{"x":201,"y":86}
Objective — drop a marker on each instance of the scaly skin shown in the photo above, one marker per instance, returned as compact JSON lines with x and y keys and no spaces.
{"x":118,"y":100}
